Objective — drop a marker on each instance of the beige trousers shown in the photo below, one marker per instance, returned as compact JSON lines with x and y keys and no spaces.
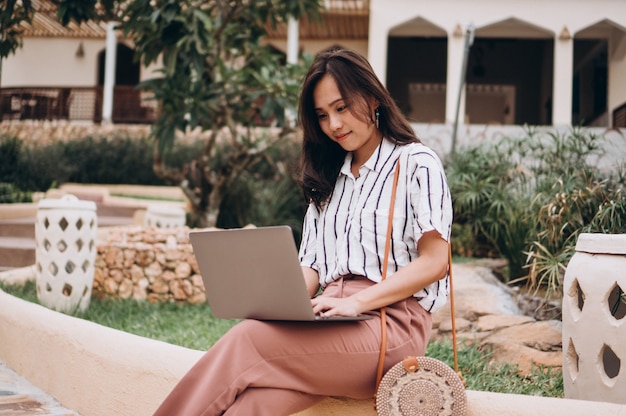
{"x":265,"y":368}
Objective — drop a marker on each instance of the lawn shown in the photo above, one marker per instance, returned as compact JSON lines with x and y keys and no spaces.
{"x":193,"y":326}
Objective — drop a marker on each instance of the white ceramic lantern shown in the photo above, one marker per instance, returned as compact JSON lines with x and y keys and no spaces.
{"x":594,"y":319}
{"x":65,"y":236}
{"x":164,"y":216}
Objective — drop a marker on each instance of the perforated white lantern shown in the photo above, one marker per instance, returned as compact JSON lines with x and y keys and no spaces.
{"x":65,"y":236}
{"x":164,"y":216}
{"x":594,"y":319}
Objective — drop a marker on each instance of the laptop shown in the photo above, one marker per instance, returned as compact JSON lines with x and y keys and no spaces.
{"x":255,"y":273}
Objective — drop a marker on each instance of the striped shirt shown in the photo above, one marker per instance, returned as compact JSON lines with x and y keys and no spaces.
{"x":347,"y":236}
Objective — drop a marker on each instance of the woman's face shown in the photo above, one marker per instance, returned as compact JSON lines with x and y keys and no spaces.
{"x":338,"y":122}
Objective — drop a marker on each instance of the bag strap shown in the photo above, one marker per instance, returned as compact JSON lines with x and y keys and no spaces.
{"x":383,"y":314}
{"x":452,"y":317}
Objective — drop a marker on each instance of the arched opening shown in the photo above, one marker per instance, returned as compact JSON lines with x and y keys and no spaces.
{"x":416,"y":70}
{"x":509,"y":74}
{"x":127,"y":71}
{"x":596,"y":48}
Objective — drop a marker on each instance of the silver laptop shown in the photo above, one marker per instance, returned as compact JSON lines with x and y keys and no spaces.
{"x":255,"y":273}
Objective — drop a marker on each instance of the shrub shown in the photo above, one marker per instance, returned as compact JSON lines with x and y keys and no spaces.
{"x":42,"y":168}
{"x":10,"y":194}
{"x":529,"y":198}
{"x":10,"y":148}
{"x":596,"y":205}
{"x":112,"y":160}
{"x":265,"y":194}
{"x":115,"y":159}
{"x":491,"y":196}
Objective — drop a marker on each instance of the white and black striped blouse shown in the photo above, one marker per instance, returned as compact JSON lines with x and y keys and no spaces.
{"x":348,"y":235}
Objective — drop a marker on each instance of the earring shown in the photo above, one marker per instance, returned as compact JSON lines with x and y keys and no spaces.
{"x":377,"y":114}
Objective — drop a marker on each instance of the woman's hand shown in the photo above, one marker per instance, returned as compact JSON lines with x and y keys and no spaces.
{"x":329,"y":306}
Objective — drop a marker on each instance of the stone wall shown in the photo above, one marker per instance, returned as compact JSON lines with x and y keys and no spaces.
{"x":46,"y":132}
{"x":147,"y":263}
{"x":41,"y":133}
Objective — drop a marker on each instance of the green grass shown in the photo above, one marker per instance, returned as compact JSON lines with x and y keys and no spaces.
{"x":193,"y":326}
{"x":481,"y":374}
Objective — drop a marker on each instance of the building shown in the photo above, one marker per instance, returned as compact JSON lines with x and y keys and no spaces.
{"x":556,"y":62}
{"x":530,"y":62}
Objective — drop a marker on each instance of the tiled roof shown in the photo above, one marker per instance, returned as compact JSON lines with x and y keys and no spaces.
{"x":333,"y":25}
{"x":344,"y":19}
{"x":46,"y":24}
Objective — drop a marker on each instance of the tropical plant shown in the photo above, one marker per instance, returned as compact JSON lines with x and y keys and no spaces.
{"x":597,"y":205}
{"x":530,"y":197}
{"x":492,"y":198}
{"x":216,"y":76}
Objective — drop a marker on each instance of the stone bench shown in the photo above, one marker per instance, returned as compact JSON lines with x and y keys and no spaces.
{"x":97,"y":370}
{"x":482,"y":403}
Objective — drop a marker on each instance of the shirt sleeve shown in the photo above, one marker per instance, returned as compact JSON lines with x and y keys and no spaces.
{"x":429,"y":194}
{"x":308,"y":245}
{"x":431,"y":203}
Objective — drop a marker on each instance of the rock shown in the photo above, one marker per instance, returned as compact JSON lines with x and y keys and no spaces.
{"x":160,"y":286}
{"x":153,"y":271}
{"x":136,"y":273}
{"x":493,"y":322}
{"x":527,"y":345}
{"x":140,"y":289}
{"x":197,"y":298}
{"x":487,"y":313}
{"x":129,"y":258}
{"x":477,"y":292}
{"x":144,"y":258}
{"x":181,"y":289}
{"x":117,"y":275}
{"x":114,"y":257}
{"x":110,"y":286}
{"x":125,"y":290}
{"x":462,"y":325}
{"x":182,"y":270}
{"x":196,"y":281}
{"x":173,"y":255}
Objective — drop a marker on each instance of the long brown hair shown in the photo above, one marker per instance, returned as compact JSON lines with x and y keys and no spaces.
{"x":322,"y":158}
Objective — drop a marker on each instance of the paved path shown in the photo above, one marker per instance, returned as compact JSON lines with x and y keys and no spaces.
{"x":18,"y":397}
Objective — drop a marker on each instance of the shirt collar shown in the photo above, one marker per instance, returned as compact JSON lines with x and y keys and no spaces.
{"x":376,"y":160}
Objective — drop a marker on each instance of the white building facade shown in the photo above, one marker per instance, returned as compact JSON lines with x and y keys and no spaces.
{"x":532,"y":62}
{"x":565,"y":58}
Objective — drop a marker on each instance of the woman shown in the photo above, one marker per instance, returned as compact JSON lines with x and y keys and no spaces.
{"x":354,"y":135}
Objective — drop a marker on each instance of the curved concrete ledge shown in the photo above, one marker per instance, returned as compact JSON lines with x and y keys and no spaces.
{"x":18,"y":210}
{"x":87,"y":367}
{"x":97,"y":370}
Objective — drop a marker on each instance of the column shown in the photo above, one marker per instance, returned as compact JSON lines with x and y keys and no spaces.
{"x":378,"y":38}
{"x":109,"y":74}
{"x":563,"y":81}
{"x":293,"y":34}
{"x":456,"y":45}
